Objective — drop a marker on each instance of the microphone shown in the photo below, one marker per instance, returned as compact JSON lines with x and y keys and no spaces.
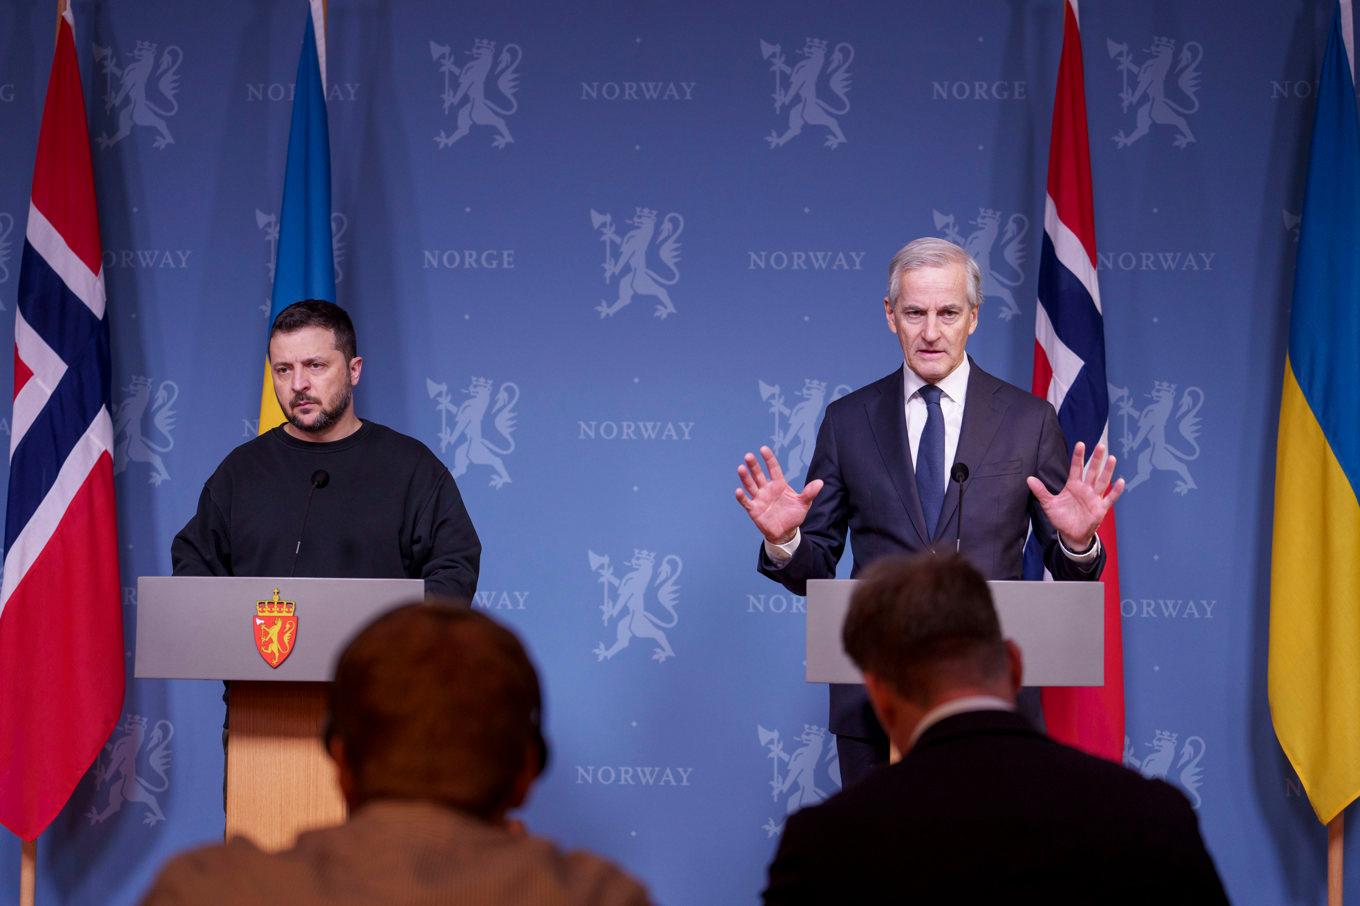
{"x":958,"y":475}
{"x":320,"y":478}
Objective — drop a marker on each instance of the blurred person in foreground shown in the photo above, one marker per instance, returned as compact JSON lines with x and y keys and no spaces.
{"x":981,"y":807}
{"x":435,"y":730}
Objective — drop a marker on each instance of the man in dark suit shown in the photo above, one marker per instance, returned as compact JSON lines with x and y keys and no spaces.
{"x":435,"y":731}
{"x":881,"y":471}
{"x":982,"y":807}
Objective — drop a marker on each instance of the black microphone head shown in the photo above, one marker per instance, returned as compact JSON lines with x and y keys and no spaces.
{"x":959,"y":473}
{"x":321,"y":478}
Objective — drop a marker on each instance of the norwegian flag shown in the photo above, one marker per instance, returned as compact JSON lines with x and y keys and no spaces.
{"x":61,"y":631}
{"x":1069,"y":371}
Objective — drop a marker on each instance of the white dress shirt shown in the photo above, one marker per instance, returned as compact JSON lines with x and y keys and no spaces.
{"x":953,"y":389}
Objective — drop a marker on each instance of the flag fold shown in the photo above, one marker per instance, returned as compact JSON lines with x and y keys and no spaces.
{"x":1314,"y":659}
{"x":304,"y":266}
{"x":61,"y":629}
{"x":1069,"y":371}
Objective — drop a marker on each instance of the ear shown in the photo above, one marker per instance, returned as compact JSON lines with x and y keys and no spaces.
{"x":888,"y":312}
{"x":528,"y":773}
{"x":1017,"y":665}
{"x":356,"y":367}
{"x":344,"y":773}
{"x":884,"y":702}
{"x":973,"y":318}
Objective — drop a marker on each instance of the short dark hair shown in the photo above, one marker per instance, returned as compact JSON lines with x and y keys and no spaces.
{"x":435,"y":701}
{"x":319,"y":313}
{"x":924,"y":623}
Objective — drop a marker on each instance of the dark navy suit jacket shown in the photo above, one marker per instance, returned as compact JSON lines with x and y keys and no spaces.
{"x":864,"y":458}
{"x":985,"y":809}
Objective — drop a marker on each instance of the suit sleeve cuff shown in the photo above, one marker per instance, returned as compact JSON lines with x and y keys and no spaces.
{"x":781,"y":554}
{"x":1085,"y":558}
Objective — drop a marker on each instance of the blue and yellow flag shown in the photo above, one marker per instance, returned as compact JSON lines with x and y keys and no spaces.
{"x":1315,"y":564}
{"x":305,"y":267}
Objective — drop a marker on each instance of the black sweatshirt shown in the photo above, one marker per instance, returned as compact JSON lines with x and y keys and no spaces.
{"x":390,"y":510}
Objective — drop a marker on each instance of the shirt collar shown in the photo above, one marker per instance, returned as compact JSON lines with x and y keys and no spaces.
{"x":954,"y":385}
{"x":957,"y":706}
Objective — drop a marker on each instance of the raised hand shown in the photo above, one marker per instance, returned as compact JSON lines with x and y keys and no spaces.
{"x":775,"y":508}
{"x":1078,"y":509}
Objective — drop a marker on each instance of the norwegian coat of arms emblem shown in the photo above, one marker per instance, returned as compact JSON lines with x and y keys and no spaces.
{"x":1150,"y":96}
{"x":633,"y":250}
{"x":800,"y":95}
{"x":136,"y":96}
{"x":275,"y":625}
{"x":629,"y":605}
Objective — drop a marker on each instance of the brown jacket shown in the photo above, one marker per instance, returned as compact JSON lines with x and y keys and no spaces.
{"x":395,"y":854}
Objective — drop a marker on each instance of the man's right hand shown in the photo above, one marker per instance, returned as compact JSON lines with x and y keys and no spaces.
{"x":773,"y":506}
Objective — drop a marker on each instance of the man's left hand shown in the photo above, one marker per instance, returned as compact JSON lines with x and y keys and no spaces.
{"x":1078,"y":509}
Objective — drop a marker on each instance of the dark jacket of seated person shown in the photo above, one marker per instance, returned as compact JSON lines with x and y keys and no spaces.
{"x":981,"y":807}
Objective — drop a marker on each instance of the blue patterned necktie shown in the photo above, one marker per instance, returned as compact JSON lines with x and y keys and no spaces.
{"x":930,"y":459}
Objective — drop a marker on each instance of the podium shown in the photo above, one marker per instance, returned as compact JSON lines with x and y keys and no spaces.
{"x":1059,"y":626}
{"x":276,"y":642}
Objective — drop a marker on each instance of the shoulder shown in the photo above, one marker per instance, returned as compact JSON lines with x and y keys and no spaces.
{"x":987,"y":382}
{"x":1122,"y":787}
{"x":840,"y":816}
{"x":555,"y":875}
{"x":601,"y":881}
{"x":209,"y":872}
{"x":245,"y":460}
{"x":869,"y":393}
{"x":403,"y":447}
{"x":1016,"y":401}
{"x":836,"y":838}
{"x":250,"y":450}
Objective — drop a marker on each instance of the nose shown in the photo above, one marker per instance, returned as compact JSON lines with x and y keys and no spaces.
{"x":931,"y":332}
{"x":299,"y":381}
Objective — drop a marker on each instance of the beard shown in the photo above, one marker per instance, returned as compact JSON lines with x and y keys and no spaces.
{"x":328,"y":415}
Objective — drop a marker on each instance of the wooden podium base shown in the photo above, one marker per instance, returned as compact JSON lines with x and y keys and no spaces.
{"x":280,"y":781}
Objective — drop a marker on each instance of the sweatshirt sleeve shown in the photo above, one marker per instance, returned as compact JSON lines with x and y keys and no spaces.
{"x":444,"y":543}
{"x":203,"y":547}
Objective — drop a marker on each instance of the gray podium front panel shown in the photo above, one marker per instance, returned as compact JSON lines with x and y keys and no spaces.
{"x":1059,"y":626}
{"x":191,"y":627}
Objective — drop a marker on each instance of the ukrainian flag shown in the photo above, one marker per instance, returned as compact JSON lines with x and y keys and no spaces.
{"x":305,"y":268}
{"x":1314,"y":677}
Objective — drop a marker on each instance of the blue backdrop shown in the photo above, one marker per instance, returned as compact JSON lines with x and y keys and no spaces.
{"x":593,"y":259}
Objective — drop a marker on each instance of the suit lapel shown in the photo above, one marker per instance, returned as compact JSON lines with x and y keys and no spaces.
{"x":982,"y":412}
{"x":887,"y":415}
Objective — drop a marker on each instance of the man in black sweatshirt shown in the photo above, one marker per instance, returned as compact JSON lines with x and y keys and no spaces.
{"x":381,"y":504}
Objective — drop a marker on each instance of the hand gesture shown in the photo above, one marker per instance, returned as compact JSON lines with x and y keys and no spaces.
{"x":1078,"y":509}
{"x":772,"y":505}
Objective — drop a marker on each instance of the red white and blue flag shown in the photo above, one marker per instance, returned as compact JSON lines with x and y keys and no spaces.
{"x":1069,"y":371}
{"x":61,"y":631}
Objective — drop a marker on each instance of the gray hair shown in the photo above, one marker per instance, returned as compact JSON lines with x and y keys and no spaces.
{"x":929,"y":251}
